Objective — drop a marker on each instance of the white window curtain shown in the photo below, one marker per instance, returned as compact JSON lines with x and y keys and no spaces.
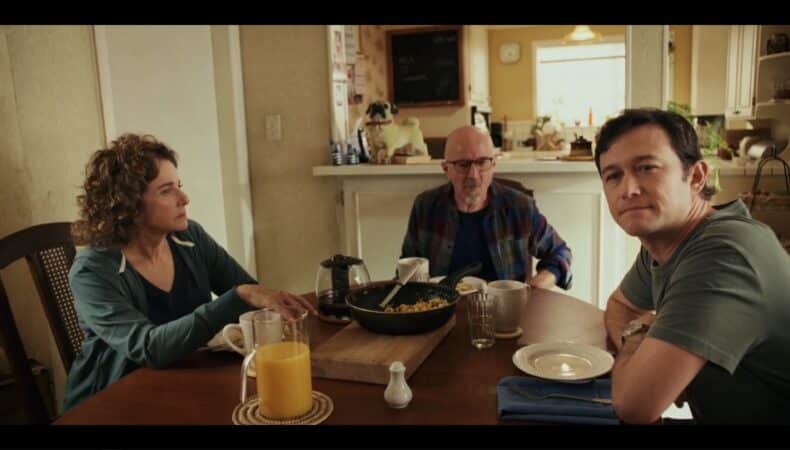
{"x":572,"y":80}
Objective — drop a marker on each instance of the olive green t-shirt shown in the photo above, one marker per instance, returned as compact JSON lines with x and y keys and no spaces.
{"x":725,"y":295}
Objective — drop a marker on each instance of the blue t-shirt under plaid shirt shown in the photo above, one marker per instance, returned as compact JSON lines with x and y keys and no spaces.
{"x":514,"y":229}
{"x":470,"y":229}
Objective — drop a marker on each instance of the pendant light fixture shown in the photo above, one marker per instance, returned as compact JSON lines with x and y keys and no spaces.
{"x":581,"y":34}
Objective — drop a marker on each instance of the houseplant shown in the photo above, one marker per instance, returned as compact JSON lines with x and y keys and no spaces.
{"x":712,"y":144}
{"x":713,"y":147}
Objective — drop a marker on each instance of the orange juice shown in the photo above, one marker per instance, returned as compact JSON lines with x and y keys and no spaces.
{"x":285,"y":386}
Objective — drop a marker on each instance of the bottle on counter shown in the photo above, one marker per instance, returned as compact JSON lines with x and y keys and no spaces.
{"x":507,"y":137}
{"x":335,"y":153}
{"x":352,"y":156}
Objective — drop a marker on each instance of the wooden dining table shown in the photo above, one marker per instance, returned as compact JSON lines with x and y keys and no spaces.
{"x":455,"y":385}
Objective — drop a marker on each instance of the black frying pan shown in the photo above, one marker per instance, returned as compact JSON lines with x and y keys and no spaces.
{"x":364,"y":304}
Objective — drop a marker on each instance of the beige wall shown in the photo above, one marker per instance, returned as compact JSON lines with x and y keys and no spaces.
{"x":512,"y":85}
{"x":438,"y":121}
{"x":681,"y":80}
{"x":285,"y":72}
{"x":50,"y":123}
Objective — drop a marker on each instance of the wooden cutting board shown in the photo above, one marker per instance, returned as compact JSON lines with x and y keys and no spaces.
{"x":357,"y":354}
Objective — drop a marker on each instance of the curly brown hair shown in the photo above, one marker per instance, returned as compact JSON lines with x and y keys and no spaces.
{"x":115,"y":181}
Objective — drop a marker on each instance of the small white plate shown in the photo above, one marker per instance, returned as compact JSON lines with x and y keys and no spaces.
{"x":469,"y":281}
{"x":563,"y":361}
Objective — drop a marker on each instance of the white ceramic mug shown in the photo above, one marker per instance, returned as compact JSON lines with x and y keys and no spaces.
{"x":244,"y":327}
{"x":509,"y":296}
{"x":422,"y":274}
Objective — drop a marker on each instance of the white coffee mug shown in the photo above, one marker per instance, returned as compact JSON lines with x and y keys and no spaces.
{"x":245,"y":328}
{"x":510,"y":296}
{"x":422,"y":274}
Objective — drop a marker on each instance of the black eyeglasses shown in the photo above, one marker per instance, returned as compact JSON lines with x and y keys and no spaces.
{"x":483,"y":164}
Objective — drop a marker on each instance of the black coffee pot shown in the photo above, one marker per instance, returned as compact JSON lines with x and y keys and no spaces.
{"x":336,"y":277}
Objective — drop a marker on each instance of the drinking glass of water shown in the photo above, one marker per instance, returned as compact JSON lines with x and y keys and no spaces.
{"x":480,"y":310}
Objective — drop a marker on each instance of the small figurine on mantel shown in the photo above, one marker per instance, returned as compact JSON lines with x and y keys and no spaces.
{"x":547,"y":135}
{"x":391,"y":142}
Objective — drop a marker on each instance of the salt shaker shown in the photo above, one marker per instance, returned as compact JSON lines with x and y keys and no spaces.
{"x":398,"y":393}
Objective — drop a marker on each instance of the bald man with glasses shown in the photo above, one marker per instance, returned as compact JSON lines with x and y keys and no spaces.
{"x":471,"y":219}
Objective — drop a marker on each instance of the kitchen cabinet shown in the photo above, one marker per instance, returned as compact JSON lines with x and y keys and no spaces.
{"x":741,"y":59}
{"x":772,"y":88}
{"x":709,"y":47}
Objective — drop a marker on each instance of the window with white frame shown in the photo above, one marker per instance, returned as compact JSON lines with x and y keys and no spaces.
{"x":574,"y":80}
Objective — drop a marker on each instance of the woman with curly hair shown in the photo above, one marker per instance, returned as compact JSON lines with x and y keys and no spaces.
{"x":143,"y":284}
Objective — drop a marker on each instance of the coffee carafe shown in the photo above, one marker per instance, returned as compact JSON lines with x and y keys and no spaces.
{"x":336,"y":277}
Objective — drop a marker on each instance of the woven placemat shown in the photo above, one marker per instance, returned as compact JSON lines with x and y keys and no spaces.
{"x":511,"y":335}
{"x":248,"y":413}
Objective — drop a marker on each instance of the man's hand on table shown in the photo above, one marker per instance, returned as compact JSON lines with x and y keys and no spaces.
{"x":544,"y":279}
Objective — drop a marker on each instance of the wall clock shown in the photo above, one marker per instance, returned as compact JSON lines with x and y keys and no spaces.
{"x":509,"y":52}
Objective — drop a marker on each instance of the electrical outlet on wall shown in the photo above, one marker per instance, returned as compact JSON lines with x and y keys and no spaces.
{"x":274,"y":131}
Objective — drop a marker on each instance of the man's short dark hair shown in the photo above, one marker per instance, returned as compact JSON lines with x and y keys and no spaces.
{"x":682,"y":136}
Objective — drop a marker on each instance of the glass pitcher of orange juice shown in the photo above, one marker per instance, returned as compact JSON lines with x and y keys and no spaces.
{"x":282,"y":365}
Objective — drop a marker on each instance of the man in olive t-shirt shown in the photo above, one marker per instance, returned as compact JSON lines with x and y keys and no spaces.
{"x":704,"y":313}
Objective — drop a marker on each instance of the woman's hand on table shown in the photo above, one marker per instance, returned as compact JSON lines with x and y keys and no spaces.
{"x":290,"y":306}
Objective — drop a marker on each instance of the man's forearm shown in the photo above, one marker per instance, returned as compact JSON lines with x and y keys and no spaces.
{"x":615,"y":318}
{"x":621,"y":367}
{"x":624,"y":355}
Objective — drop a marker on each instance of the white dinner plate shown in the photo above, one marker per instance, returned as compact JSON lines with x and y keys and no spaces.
{"x":563,"y":361}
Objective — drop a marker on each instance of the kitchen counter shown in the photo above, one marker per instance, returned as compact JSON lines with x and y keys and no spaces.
{"x":516,"y":166}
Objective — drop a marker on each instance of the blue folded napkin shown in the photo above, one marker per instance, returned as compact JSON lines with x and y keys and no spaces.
{"x":511,"y":405}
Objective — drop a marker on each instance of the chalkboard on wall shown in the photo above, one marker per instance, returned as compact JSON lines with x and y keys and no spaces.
{"x":426,"y":66}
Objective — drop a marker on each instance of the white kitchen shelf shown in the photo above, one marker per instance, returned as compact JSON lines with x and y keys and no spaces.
{"x":774,"y":103}
{"x":781,"y":55}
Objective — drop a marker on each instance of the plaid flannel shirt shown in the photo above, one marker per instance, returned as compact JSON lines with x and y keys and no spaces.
{"x":514,"y":228}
